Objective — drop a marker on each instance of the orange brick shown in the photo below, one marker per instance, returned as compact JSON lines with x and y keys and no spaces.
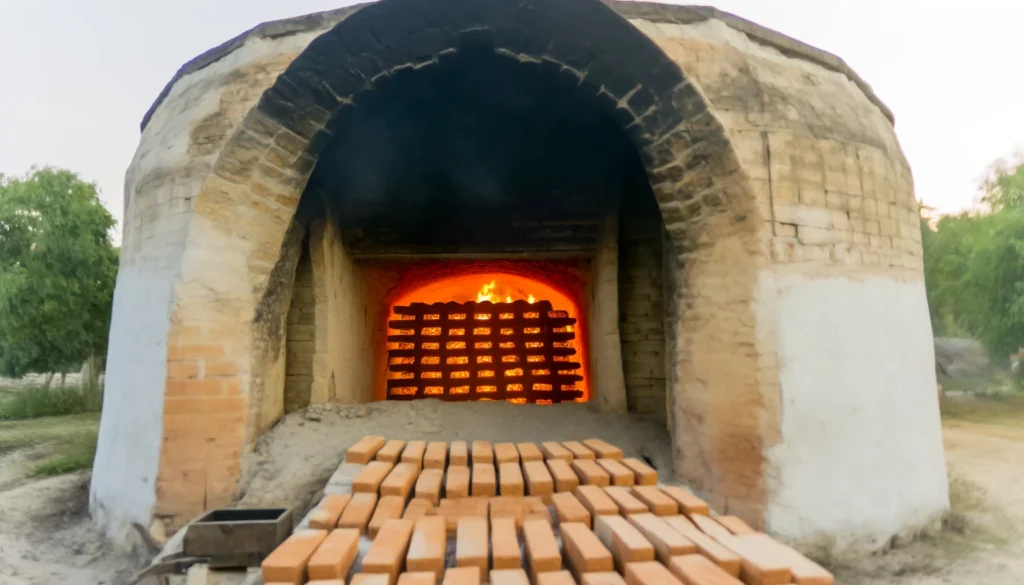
{"x":506,"y":453}
{"x":326,"y":582}
{"x":542,"y":553}
{"x":620,"y":474}
{"x":509,"y":577}
{"x":192,"y":387}
{"x":627,"y":544}
{"x":553,"y":450}
{"x":688,"y":503}
{"x":287,"y":563}
{"x":655,"y":500}
{"x":707,"y":546}
{"x":529,"y":452}
{"x":458,"y":454}
{"x":417,"y":578}
{"x":368,"y":579}
{"x":596,"y":501}
{"x":484,"y":480}
{"x":555,"y":578}
{"x":372,"y":475}
{"x":538,"y":510}
{"x":436,"y":455}
{"x":457,"y":483}
{"x":326,"y":515}
{"x":193,"y":352}
{"x":505,"y":544}
{"x":462,"y":576}
{"x":804,"y":570}
{"x":364,"y":450}
{"x":511,"y":479}
{"x":401,"y":480}
{"x":358,"y":511}
{"x":667,"y":542}
{"x":182,"y":369}
{"x":220,"y":368}
{"x":418,"y":508}
{"x":700,"y":570}
{"x":391,"y":451}
{"x":735,"y":525}
{"x":413,"y":453}
{"x":649,"y":573}
{"x":565,"y":478}
{"x":428,"y":486}
{"x":569,"y":509}
{"x":625,"y":501}
{"x":584,"y":552}
{"x":428,"y":546}
{"x":602,"y":578}
{"x":335,"y":556}
{"x":538,"y":479}
{"x":513,"y":507}
{"x":604,"y":450}
{"x":710,"y":526}
{"x":482,"y":452}
{"x":193,"y":405}
{"x":590,"y":473}
{"x":578,"y":450}
{"x":388,"y":550}
{"x":388,"y":508}
{"x":759,"y":565}
{"x":471,"y":543}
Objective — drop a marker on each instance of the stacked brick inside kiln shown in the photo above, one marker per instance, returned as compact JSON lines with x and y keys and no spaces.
{"x":570,"y":513}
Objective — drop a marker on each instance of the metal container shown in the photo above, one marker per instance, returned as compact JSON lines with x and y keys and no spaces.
{"x":240,"y":537}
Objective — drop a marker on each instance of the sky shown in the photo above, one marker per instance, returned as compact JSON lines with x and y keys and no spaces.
{"x":78,"y":75}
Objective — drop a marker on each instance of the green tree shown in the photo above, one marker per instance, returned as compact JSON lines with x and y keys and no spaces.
{"x":57,"y":271}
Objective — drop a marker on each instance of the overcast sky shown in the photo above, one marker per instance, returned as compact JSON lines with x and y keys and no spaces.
{"x":78,"y":75}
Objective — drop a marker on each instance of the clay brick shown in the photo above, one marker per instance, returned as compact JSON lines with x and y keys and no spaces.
{"x":391,"y":451}
{"x":584,"y":552}
{"x":509,"y":577}
{"x":388,"y":508}
{"x":625,"y":501}
{"x":649,"y":573}
{"x":428,"y":485}
{"x":458,"y":454}
{"x":759,"y":565}
{"x":688,"y":503}
{"x":417,"y":578}
{"x":578,"y":450}
{"x":710,"y":526}
{"x":358,"y":511}
{"x":401,"y":480}
{"x":287,"y":563}
{"x":484,"y":480}
{"x":454,"y":509}
{"x":553,"y":450}
{"x":538,"y":510}
{"x":388,"y":551}
{"x":538,"y":479}
{"x":596,"y":501}
{"x":512,"y":507}
{"x":735,"y":525}
{"x":456,"y":485}
{"x":510,"y":478}
{"x":565,"y":478}
{"x":542,"y":553}
{"x":555,"y":578}
{"x":707,"y":546}
{"x":506,"y":453}
{"x":418,"y":508}
{"x":428,"y":546}
{"x":436,"y":455}
{"x":364,"y":450}
{"x":644,"y":474}
{"x":627,"y":544}
{"x":667,"y":542}
{"x":570,"y":509}
{"x":700,"y":570}
{"x":323,"y":582}
{"x":529,"y":452}
{"x":335,"y":556}
{"x":505,"y":552}
{"x":471,"y":544}
{"x":602,"y":578}
{"x":462,"y":576}
{"x":620,"y":474}
{"x":603,"y":449}
{"x":325,"y":517}
{"x":369,"y":579}
{"x":413,"y":452}
{"x":804,"y":570}
{"x":372,"y":475}
{"x":482,"y":452}
{"x":590,"y":473}
{"x":655,"y":500}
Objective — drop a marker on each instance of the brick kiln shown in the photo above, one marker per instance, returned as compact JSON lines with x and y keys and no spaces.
{"x":714,"y":222}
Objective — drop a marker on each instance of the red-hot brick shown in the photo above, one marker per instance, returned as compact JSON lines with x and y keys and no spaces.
{"x":584,"y":552}
{"x":590,"y":473}
{"x":427,"y":546}
{"x":603,"y":449}
{"x":505,"y":552}
{"x":655,"y":500}
{"x":649,"y":573}
{"x":627,"y":544}
{"x":471,"y":543}
{"x":458,"y":454}
{"x":667,"y":542}
{"x":735,"y":525}
{"x":509,"y":577}
{"x":482,"y":452}
{"x":700,"y":570}
{"x":620,"y":474}
{"x":484,"y":480}
{"x":602,"y":578}
{"x":542,"y":553}
{"x":554,"y":450}
{"x":372,"y":475}
{"x":538,"y":479}
{"x":565,"y":478}
{"x":388,"y":508}
{"x":428,"y":485}
{"x":462,"y":576}
{"x":325,"y":517}
{"x":688,"y":503}
{"x":364,"y":450}
{"x":358,"y":511}
{"x":506,"y":453}
{"x":529,"y":452}
{"x":401,"y":480}
{"x":287,"y":563}
{"x":457,"y":483}
{"x":436,"y":455}
{"x":335,"y":556}
{"x":570,"y":509}
{"x":644,"y":474}
{"x":388,"y":550}
{"x":804,"y":570}
{"x":579,"y":450}
{"x":707,"y":546}
{"x":510,"y":478}
{"x":555,"y":578}
{"x":596,"y":501}
{"x":417,"y":578}
{"x":625,"y":501}
{"x":413,"y":452}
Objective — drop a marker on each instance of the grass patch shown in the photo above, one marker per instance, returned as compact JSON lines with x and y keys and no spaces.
{"x":67,"y":443}
{"x":74,"y":457}
{"x":37,"y":402}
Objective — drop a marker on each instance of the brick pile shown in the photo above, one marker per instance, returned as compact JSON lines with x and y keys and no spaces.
{"x":570,"y":513}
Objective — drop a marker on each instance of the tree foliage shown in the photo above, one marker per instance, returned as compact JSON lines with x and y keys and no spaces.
{"x":57,"y":271}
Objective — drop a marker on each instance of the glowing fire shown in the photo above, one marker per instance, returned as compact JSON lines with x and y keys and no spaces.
{"x":493,"y":292}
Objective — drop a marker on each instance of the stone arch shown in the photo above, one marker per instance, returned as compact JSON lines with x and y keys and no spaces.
{"x":720,"y":423}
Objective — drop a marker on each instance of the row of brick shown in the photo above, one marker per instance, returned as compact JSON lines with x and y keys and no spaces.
{"x":439,"y":454}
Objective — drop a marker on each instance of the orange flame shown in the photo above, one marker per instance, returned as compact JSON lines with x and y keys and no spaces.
{"x":492,"y":291}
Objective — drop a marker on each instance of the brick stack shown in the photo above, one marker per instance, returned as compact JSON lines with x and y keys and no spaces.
{"x":570,"y":513}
